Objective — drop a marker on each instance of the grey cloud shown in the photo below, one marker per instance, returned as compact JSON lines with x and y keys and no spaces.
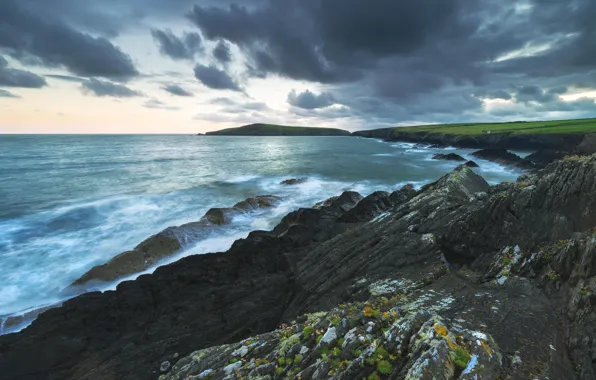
{"x":215,"y":78}
{"x":36,"y":40}
{"x":309,"y":100}
{"x":239,"y":106}
{"x":20,"y":78}
{"x":180,"y":48}
{"x":222,"y":53}
{"x":497,"y":94}
{"x":68,"y":78}
{"x":157,"y":104}
{"x":177,"y":90}
{"x":537,"y":94}
{"x":3,"y":62}
{"x":7,"y":94}
{"x":105,"y":88}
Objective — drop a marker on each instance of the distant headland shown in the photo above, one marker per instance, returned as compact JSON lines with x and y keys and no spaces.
{"x":278,"y":130}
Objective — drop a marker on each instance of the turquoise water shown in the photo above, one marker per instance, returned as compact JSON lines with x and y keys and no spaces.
{"x":68,"y":203}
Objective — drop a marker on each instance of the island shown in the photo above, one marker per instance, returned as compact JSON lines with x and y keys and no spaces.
{"x":260,"y":129}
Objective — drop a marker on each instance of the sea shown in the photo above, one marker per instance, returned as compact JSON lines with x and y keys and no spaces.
{"x":70,"y":202}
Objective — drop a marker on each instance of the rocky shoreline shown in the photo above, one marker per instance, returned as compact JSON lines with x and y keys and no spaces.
{"x":456,"y":280}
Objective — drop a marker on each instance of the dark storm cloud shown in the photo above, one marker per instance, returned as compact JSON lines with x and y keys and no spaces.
{"x":309,"y":100}
{"x":406,"y":53}
{"x":537,"y":94}
{"x":222,"y":53}
{"x":33,"y":39}
{"x":104,"y":88}
{"x":20,"y":78}
{"x":185,"y":47}
{"x":174,"y":89}
{"x":7,"y":94}
{"x":215,"y":78}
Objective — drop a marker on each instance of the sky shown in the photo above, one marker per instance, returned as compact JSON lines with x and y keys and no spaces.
{"x":191,"y":66}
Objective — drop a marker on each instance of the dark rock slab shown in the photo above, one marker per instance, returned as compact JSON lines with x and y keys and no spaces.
{"x":472,"y":164}
{"x":448,"y":157}
{"x":503,"y":157}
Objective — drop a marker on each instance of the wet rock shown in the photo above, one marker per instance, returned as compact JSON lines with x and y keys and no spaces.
{"x":448,"y":157}
{"x":472,"y":164}
{"x":169,"y":241}
{"x":293,"y":181}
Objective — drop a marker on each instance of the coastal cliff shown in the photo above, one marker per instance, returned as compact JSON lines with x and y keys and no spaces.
{"x":584,"y":143}
{"x":457,"y":280}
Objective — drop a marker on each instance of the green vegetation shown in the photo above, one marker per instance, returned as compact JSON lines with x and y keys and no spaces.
{"x":384,"y":367}
{"x":308,"y":331}
{"x":462,"y":357}
{"x":278,"y":130}
{"x":517,"y":127}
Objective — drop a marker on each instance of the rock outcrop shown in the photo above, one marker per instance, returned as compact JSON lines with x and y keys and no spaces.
{"x":169,"y":241}
{"x":448,"y":157}
{"x":504,"y":157}
{"x":458,"y":280}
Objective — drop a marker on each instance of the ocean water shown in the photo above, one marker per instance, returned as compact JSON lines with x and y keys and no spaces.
{"x":68,"y":203}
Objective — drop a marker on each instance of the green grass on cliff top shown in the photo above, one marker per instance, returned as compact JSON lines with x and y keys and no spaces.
{"x":517,"y":127}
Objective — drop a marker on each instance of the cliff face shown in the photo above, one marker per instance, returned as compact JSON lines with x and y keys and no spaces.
{"x":457,"y":280}
{"x":569,"y":142}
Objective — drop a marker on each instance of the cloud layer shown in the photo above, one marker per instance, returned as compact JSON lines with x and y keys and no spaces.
{"x":373,"y":63}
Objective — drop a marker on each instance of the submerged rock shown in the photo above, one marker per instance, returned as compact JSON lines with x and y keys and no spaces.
{"x":293,"y":181}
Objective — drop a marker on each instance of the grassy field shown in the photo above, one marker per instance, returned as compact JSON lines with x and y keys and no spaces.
{"x":518,"y":127}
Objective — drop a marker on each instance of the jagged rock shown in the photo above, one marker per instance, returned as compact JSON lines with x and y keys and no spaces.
{"x":504,"y":157}
{"x":480,"y":267}
{"x":588,"y":144}
{"x":542,"y":158}
{"x":472,"y":164}
{"x":293,"y":181}
{"x":170,"y":241}
{"x":448,"y":157}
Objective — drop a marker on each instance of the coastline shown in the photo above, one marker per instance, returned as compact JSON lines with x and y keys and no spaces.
{"x":305,"y":264}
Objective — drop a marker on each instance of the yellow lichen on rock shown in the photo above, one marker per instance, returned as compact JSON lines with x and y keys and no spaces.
{"x":441,"y":330}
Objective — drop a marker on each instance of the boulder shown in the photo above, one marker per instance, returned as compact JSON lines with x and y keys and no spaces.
{"x":472,"y":164}
{"x":448,"y":157}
